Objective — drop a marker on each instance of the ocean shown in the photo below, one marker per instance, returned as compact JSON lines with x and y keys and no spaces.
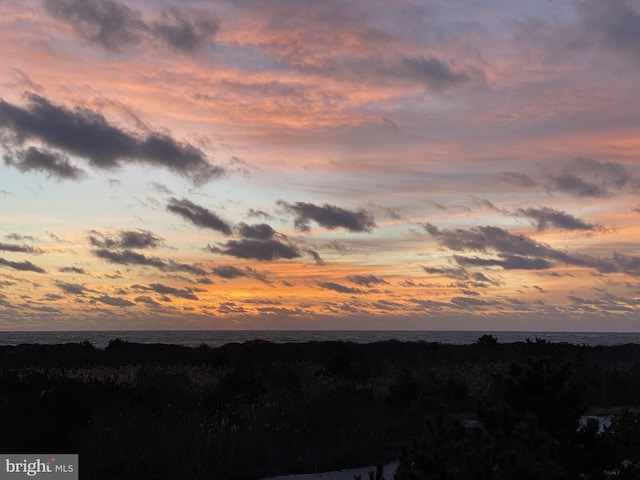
{"x":215,"y":338}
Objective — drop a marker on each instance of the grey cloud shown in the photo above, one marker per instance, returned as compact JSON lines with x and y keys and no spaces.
{"x":260,"y":231}
{"x":615,"y":24}
{"x":72,"y":288}
{"x":186,"y":32}
{"x":106,"y":22}
{"x":25,"y":266}
{"x":52,"y":163}
{"x":11,"y":247}
{"x":366,"y":280}
{"x":258,"y":249}
{"x":507,"y":262}
{"x":515,"y":251}
{"x":329,"y":216}
{"x":79,"y":271}
{"x":518,"y":179}
{"x":114,"y":26}
{"x":546,"y":217}
{"x":316,"y":257}
{"x":198,"y":215}
{"x":336,"y":287}
{"x":176,"y":292}
{"x":114,"y":301}
{"x":126,"y":239}
{"x":228,"y":271}
{"x":469,"y":302}
{"x":146,"y":299}
{"x":436,"y":74}
{"x":89,"y":135}
{"x":129,"y":257}
{"x":457,"y":273}
{"x":586,"y":177}
{"x":572,"y":184}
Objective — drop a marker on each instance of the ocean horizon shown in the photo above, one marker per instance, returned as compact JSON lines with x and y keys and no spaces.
{"x":216,"y":338}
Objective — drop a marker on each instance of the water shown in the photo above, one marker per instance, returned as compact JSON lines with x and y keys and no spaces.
{"x":193,"y":338}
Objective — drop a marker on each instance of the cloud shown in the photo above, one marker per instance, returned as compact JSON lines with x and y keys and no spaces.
{"x":615,"y":24}
{"x":53,"y":164}
{"x":515,"y":251}
{"x":129,"y":257}
{"x":336,"y":287}
{"x":257,"y":249}
{"x":115,"y":26}
{"x":366,"y":280}
{"x":72,"y":288}
{"x":79,"y":271}
{"x":186,"y":32}
{"x":108,"y":23}
{"x":11,"y":247}
{"x":126,"y":239}
{"x":431,"y":71}
{"x":176,"y":292}
{"x":25,"y":266}
{"x":329,"y":216}
{"x":146,"y":299}
{"x":586,"y":177}
{"x":518,"y":179}
{"x":260,"y":231}
{"x":546,"y":217}
{"x":114,"y":301}
{"x":89,"y":135}
{"x":198,"y":215}
{"x":507,"y":262}
{"x":228,"y":271}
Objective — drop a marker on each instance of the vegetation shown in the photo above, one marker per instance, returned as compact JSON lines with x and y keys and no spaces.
{"x":247,"y":411}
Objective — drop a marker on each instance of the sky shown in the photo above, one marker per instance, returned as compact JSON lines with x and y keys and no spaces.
{"x":320,"y":164}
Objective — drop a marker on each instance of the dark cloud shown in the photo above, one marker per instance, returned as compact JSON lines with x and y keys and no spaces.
{"x":329,"y":216}
{"x":126,"y":239}
{"x":198,"y":215}
{"x":52,"y":163}
{"x":457,"y":273}
{"x":257,"y":249}
{"x":316,"y":257}
{"x":17,"y":237}
{"x":11,"y":247}
{"x":146,"y":299}
{"x":176,"y":292}
{"x":259,"y":214}
{"x":72,"y":288}
{"x":89,"y":135}
{"x":114,"y":301}
{"x":514,"y":251}
{"x":25,"y":266}
{"x":366,"y":280}
{"x":575,"y":185}
{"x":518,"y":179}
{"x":585,"y":177}
{"x":433,"y":72}
{"x":129,"y":257}
{"x":114,"y":26}
{"x":186,"y":32}
{"x":228,"y":271}
{"x":79,"y":271}
{"x":260,"y":231}
{"x":507,"y":262}
{"x":469,"y":302}
{"x":546,"y":217}
{"x":105,"y":22}
{"x":615,"y":24}
{"x":336,"y":287}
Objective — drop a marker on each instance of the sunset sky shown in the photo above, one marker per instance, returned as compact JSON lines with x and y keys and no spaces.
{"x":320,"y":164}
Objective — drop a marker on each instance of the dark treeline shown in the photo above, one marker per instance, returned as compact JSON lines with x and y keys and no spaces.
{"x":247,"y":411}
